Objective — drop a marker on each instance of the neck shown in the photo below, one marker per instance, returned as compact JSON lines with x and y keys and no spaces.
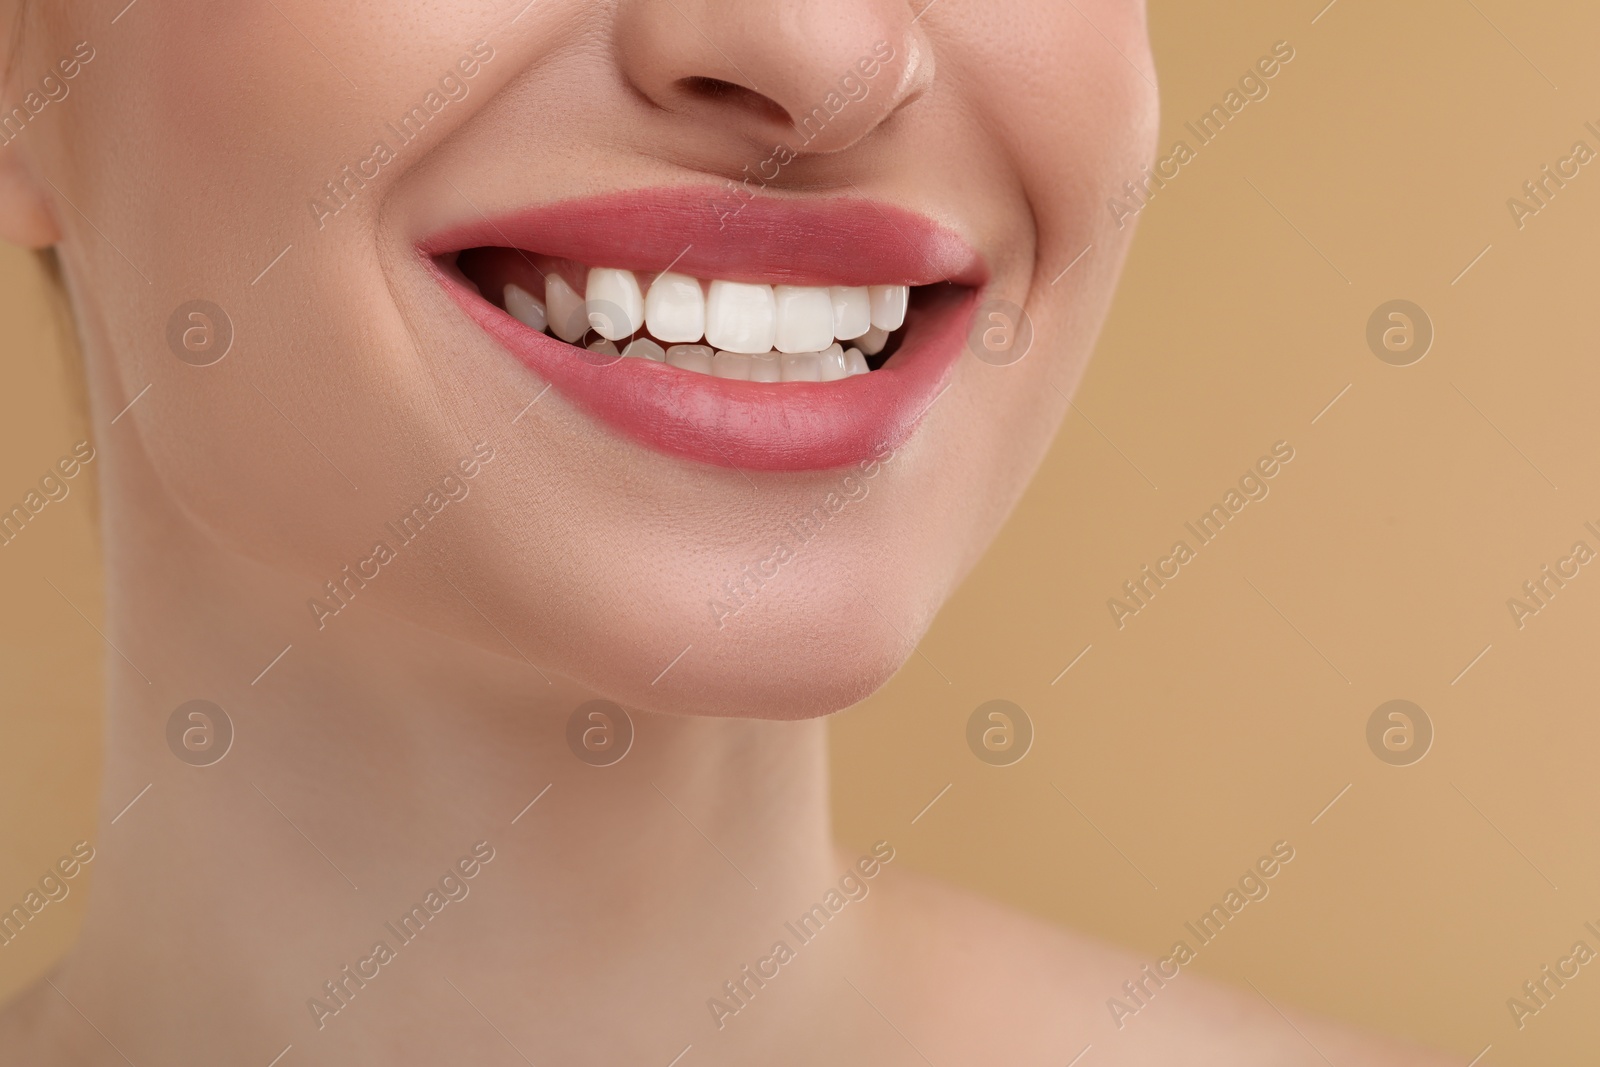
{"x":368,"y":762}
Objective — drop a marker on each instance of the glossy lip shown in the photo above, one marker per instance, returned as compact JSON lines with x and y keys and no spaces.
{"x":710,"y":233}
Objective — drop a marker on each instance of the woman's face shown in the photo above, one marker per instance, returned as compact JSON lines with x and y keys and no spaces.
{"x":350,"y":187}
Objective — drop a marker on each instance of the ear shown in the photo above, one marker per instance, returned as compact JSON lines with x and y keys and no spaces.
{"x":25,"y":217}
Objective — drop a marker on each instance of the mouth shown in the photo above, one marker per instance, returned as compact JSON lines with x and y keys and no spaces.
{"x":760,"y":334}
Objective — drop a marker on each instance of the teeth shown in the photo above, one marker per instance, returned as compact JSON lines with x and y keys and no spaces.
{"x":852,"y":311}
{"x":690,"y":357}
{"x":614,"y":295}
{"x":741,"y":317}
{"x":526,"y":308}
{"x":805,"y":318}
{"x":766,"y":367}
{"x":832,"y":364}
{"x":731,"y":365}
{"x":873,"y":340}
{"x":801,"y":366}
{"x":644,"y":348}
{"x":675,"y":309}
{"x":567,"y":318}
{"x":734,"y":330}
{"x":889,"y":305}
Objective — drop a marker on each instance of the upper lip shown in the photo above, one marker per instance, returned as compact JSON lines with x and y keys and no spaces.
{"x":712,"y":233}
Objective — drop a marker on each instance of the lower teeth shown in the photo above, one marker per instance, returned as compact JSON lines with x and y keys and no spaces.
{"x":829,"y":365}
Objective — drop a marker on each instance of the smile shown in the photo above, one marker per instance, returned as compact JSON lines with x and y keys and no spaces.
{"x":796,"y":335}
{"x":759,"y":333}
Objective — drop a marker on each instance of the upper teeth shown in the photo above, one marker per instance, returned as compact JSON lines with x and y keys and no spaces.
{"x":748,"y":331}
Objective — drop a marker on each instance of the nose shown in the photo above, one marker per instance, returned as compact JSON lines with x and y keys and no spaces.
{"x":816,"y":75}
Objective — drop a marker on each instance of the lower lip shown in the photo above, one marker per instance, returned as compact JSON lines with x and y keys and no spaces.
{"x":789,"y":426}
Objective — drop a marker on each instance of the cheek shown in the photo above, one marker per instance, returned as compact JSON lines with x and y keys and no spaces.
{"x":1076,"y":112}
{"x":266,"y":447}
{"x":1076,"y":119}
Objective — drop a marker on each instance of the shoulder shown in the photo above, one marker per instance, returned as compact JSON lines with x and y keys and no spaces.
{"x":995,"y":985}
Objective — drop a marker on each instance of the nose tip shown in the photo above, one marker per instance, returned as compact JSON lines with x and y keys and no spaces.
{"x":816,"y":75}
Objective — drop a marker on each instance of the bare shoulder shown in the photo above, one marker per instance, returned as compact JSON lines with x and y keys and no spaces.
{"x":996,"y":986}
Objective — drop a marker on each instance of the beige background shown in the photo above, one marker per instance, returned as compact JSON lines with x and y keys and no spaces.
{"x":1231,"y":711}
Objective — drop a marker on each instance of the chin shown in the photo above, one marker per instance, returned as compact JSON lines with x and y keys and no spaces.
{"x":808,"y":649}
{"x":811,"y":673}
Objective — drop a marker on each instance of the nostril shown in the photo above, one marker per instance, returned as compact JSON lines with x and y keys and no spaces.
{"x":725,"y":92}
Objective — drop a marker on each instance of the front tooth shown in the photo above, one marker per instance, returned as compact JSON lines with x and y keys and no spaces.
{"x":690,"y":357}
{"x":675,"y":309}
{"x":889,"y":305}
{"x":805,"y":318}
{"x":734,"y":365}
{"x":616,"y":306}
{"x":852,"y":311}
{"x":526,"y":308}
{"x":603,"y":347}
{"x":567,"y":320}
{"x":740,"y":317}
{"x":856,"y":361}
{"x":766,"y":367}
{"x":644,"y":348}
{"x":801,"y":367}
{"x":873,"y":340}
{"x":832,"y":364}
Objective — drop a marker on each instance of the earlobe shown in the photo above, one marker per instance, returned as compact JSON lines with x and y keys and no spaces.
{"x":25,"y":217}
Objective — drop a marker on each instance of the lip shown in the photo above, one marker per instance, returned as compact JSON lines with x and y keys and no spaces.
{"x":710,"y":233}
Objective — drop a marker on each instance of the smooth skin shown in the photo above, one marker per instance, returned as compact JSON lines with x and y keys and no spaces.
{"x":423,"y":718}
